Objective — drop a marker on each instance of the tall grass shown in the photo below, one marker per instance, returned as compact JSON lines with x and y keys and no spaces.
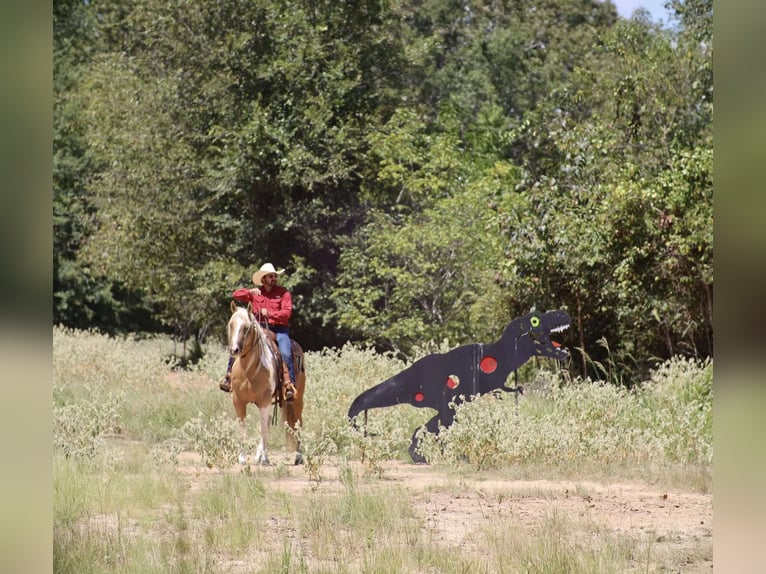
{"x":663,"y":425}
{"x":132,"y":376}
{"x":146,"y":480}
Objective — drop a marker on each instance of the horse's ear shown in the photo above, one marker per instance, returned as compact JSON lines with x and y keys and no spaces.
{"x":233,"y":306}
{"x":250,"y":309}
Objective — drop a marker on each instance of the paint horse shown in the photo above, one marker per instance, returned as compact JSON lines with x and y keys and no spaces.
{"x":255,"y":378}
{"x":439,"y":379}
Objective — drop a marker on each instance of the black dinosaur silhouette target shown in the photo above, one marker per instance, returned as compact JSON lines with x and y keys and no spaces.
{"x":439,"y":379}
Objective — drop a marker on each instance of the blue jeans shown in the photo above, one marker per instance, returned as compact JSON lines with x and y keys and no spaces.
{"x":285,"y":347}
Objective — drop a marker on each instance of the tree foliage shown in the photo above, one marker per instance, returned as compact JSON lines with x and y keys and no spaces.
{"x":625,"y":214}
{"x":431,"y":275}
{"x":426,"y":170}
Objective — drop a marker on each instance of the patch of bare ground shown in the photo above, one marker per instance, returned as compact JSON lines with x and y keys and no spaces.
{"x":455,"y":509}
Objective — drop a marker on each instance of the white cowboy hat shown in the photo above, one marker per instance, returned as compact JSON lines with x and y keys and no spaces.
{"x":265,"y":269}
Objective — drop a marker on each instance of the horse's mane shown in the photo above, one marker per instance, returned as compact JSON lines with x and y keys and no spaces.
{"x":262,"y":341}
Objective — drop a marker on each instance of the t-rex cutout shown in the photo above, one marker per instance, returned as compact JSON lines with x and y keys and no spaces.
{"x":437,"y":380}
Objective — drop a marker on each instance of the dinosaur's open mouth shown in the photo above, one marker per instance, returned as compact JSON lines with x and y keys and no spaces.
{"x":544,"y":337}
{"x":558,"y":322}
{"x":559,"y":329}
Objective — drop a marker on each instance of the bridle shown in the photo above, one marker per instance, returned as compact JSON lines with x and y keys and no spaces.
{"x":246,"y":336}
{"x":256,"y":334}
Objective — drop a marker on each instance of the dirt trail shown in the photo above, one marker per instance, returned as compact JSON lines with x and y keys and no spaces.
{"x":454,"y":507}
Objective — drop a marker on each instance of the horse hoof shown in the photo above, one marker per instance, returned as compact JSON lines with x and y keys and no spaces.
{"x":242,"y":459}
{"x":298,"y":459}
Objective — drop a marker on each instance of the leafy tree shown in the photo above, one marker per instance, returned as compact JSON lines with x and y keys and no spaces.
{"x":425,"y":170}
{"x":158,"y":228}
{"x":83,"y":297}
{"x":416,"y":275}
{"x":607,"y":211}
{"x":481,"y":79}
{"x":228,"y":137}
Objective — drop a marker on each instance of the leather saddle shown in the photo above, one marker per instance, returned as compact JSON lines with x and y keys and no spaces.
{"x":285,"y":388}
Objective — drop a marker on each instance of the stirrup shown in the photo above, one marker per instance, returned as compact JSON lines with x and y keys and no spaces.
{"x":289,"y":391}
{"x":225,"y":386}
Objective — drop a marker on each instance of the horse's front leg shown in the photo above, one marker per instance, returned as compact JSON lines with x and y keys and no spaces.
{"x":261,"y":456}
{"x":241,"y":409}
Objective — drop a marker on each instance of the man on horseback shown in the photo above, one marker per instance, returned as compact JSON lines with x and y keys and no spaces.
{"x":273,"y":306}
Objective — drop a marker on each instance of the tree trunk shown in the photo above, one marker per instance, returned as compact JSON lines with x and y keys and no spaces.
{"x":581,"y":334}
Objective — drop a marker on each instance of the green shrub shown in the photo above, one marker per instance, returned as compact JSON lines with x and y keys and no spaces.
{"x":123,"y":500}
{"x":104,"y":385}
{"x":79,"y":428}
{"x":218,"y":440}
{"x":667,"y":419}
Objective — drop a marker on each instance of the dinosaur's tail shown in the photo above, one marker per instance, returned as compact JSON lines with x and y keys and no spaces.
{"x":388,"y":393}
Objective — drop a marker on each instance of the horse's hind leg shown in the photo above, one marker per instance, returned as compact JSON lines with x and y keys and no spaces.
{"x":293,"y":413}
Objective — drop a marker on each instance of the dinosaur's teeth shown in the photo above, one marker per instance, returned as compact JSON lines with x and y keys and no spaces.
{"x":560,"y":328}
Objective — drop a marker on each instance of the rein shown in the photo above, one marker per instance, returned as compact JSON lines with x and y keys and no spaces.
{"x":258,"y":340}
{"x":254,"y":331}
{"x":249,"y":334}
{"x":263,"y":340}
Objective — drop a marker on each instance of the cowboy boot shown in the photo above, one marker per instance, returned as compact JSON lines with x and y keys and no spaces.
{"x":289,"y":387}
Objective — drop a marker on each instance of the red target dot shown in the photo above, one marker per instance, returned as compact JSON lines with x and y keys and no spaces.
{"x":488,"y":364}
{"x":419,"y":397}
{"x":453,"y":381}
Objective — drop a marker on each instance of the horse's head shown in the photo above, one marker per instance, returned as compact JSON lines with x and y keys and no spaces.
{"x":241,"y":322}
